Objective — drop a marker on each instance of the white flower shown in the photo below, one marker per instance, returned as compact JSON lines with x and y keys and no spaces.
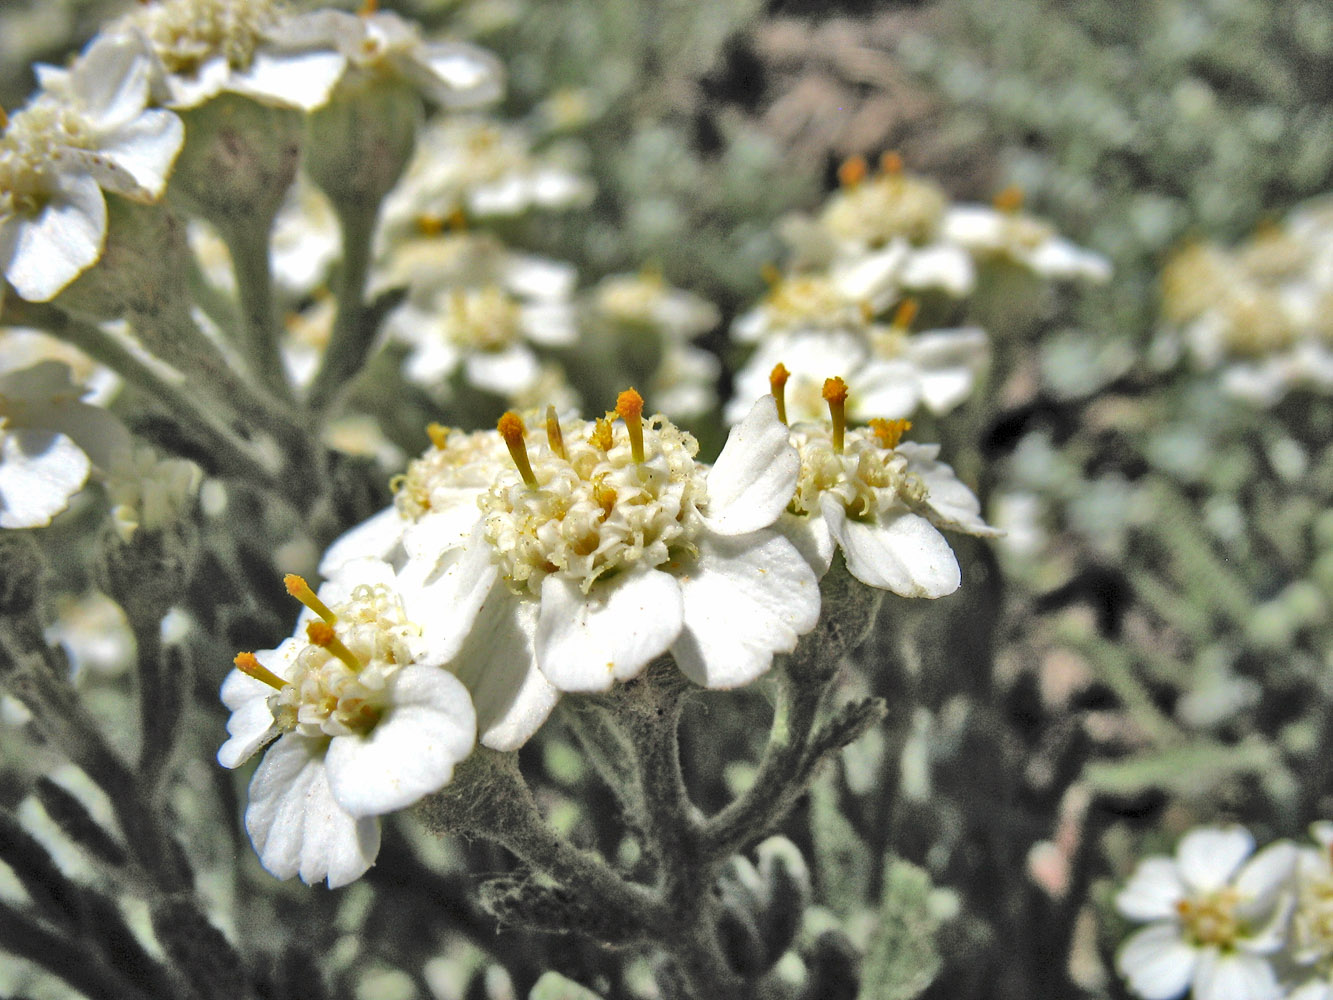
{"x":1215,"y":918}
{"x":847,"y":297}
{"x":685,"y":382}
{"x":49,"y":443}
{"x":202,"y":48}
{"x":89,"y":131}
{"x":894,"y":371}
{"x":881,"y":500}
{"x":1311,"y":933}
{"x":450,"y":73}
{"x":367,"y":722}
{"x":480,"y":167}
{"x":1003,"y":231}
{"x":645,"y":301}
{"x":606,"y":545}
{"x":482,"y":317}
{"x":147,"y":491}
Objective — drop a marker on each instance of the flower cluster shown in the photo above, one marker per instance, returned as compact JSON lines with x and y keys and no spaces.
{"x":879,"y":241}
{"x":1224,"y":921}
{"x":1259,"y":311}
{"x":555,"y":556}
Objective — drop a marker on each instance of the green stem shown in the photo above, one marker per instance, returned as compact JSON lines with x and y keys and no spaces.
{"x":249,"y":248}
{"x":230,"y":453}
{"x":352,"y":333}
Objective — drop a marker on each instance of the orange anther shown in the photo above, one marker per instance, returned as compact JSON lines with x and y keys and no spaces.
{"x":891,"y":163}
{"x":248,"y":664}
{"x":835,"y":394}
{"x":298,"y":588}
{"x":777,"y":383}
{"x":906,"y":312}
{"x":321,"y":634}
{"x":852,"y":171}
{"x":510,"y":426}
{"x":889,"y":432}
{"x":553,"y":436}
{"x":430,"y":225}
{"x":439,"y":435}
{"x":1010,"y":199}
{"x":629,"y":407}
{"x":601,"y":434}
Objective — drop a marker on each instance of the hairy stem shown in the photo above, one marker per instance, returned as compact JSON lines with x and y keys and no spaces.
{"x":353,"y":333}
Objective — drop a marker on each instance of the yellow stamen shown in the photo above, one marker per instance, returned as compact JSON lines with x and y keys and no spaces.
{"x":322,"y":635}
{"x":4,"y":119}
{"x":553,"y":436}
{"x":777,"y":383}
{"x":248,"y":664}
{"x":852,"y":171}
{"x":601,"y":434}
{"x":770,"y":274}
{"x":891,"y":163}
{"x":605,"y":497}
{"x":368,"y":7}
{"x":299,"y":589}
{"x":512,"y":430}
{"x":458,"y":220}
{"x":835,"y":394}
{"x":439,"y":435}
{"x":430,"y":225}
{"x":1009,"y":200}
{"x":889,"y":432}
{"x":629,"y":406}
{"x":906,"y":312}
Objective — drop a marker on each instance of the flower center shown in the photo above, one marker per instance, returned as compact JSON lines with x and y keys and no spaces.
{"x":482,"y":319}
{"x":458,"y":461}
{"x":592,"y":499}
{"x":187,"y":33}
{"x":1211,"y":919}
{"x":893,"y":205}
{"x":806,"y":300}
{"x":1312,"y":922}
{"x":853,"y":464}
{"x":337,"y":685}
{"x":31,"y":149}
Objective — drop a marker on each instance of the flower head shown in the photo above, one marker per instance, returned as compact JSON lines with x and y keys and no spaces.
{"x":366,"y":720}
{"x":89,"y":131}
{"x":880,"y":499}
{"x":1004,"y":231}
{"x":1214,"y":918}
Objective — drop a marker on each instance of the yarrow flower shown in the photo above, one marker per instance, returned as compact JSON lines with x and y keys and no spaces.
{"x":1216,"y":918}
{"x":50,"y":441}
{"x":88,"y":131}
{"x":366,"y":720}
{"x":882,"y":501}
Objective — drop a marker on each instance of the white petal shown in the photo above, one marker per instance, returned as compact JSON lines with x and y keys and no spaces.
{"x":1265,"y":875}
{"x":445,"y":595}
{"x":886,"y":388}
{"x":1152,"y":891}
{"x":142,"y":152}
{"x":453,"y":516}
{"x":207,"y":81}
{"x":462,"y":75}
{"x":942,"y":266}
{"x":745,"y":598}
{"x":754,"y":478}
{"x":1157,"y":963}
{"x":428,"y":727}
{"x":301,"y":80}
{"x":505,"y":373}
{"x":588,"y":642}
{"x":1234,"y":977}
{"x":498,"y":663}
{"x":1209,"y":856}
{"x":810,"y":535}
{"x":63,"y":241}
{"x":251,"y":725}
{"x":377,"y":537}
{"x":296,"y":825}
{"x":39,"y":472}
{"x":899,"y":551}
{"x":110,"y":80}
{"x":551,"y":324}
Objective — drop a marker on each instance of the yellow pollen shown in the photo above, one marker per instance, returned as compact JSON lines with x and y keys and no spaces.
{"x":852,"y":171}
{"x":430,"y":225}
{"x":906,"y":312}
{"x":891,"y":163}
{"x":510,"y":426}
{"x":298,"y":588}
{"x":321,"y":634}
{"x":835,"y":394}
{"x":601,"y":434}
{"x":889,"y":432}
{"x":1009,"y":200}
{"x":248,"y":664}
{"x":553,"y":436}
{"x":777,"y":383}
{"x":605,"y":497}
{"x":770,"y":274}
{"x":629,"y":406}
{"x":439,"y":435}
